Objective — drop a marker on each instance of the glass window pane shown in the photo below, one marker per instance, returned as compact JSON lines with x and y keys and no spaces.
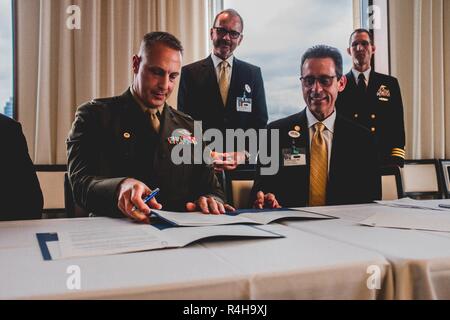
{"x":277,"y":33}
{"x":6,"y":58}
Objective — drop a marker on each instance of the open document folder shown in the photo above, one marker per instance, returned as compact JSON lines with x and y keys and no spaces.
{"x":247,"y":216}
{"x":104,"y":236}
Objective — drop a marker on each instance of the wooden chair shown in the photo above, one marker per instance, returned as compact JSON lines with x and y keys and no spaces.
{"x":421,"y":179}
{"x":238,"y":186}
{"x":391,"y":183}
{"x":51,"y":179}
{"x":444,"y":175}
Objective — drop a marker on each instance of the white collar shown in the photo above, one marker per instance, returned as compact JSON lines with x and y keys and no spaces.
{"x":366,"y":74}
{"x":216,"y":60}
{"x":328,"y":122}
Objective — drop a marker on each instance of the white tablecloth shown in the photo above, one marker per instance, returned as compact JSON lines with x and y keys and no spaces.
{"x":420,"y":260}
{"x":300,"y":266}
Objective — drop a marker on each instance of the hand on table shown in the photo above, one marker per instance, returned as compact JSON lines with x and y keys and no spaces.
{"x":209,"y":205}
{"x":266,"y":201}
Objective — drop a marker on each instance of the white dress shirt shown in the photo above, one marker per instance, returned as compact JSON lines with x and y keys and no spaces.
{"x":327,"y":132}
{"x":366,"y":75}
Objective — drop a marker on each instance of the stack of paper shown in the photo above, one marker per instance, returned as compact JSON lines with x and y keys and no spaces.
{"x":418,"y":204}
{"x":407,"y":218}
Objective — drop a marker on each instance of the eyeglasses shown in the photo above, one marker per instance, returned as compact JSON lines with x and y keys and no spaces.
{"x":222,"y":32}
{"x":363,"y":43}
{"x":325,"y":81}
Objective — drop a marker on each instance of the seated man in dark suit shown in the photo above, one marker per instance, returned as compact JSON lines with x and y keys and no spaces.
{"x":222,"y":91}
{"x":326,"y":159}
{"x":120,"y":148}
{"x":20,"y":193}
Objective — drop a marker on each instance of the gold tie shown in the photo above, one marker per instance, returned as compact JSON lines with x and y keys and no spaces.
{"x":154,"y":120}
{"x":319,"y":168}
{"x":223,"y":81}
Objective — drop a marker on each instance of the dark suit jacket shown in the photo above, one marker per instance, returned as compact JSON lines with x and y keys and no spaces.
{"x":112,"y":139}
{"x":199,"y":96}
{"x":353,"y":176}
{"x":20,"y":193}
{"x":383,"y":116}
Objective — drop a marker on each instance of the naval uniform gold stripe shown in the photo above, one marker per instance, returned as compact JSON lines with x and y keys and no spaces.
{"x":398,"y":153}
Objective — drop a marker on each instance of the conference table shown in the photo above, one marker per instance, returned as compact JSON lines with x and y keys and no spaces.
{"x":420,"y":260}
{"x":325,"y":259}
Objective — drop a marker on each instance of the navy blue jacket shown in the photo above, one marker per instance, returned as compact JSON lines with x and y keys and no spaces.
{"x":354,"y":172}
{"x":199,"y":96}
{"x":380,"y":111}
{"x":20,"y":193}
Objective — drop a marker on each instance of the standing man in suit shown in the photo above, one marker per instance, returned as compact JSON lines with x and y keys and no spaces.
{"x":374,"y":100}
{"x":119,"y":148}
{"x":326,"y":159}
{"x":20,"y":193}
{"x":222,"y":91}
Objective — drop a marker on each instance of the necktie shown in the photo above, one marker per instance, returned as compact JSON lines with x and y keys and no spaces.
{"x":319,"y":168}
{"x":154,"y":120}
{"x":223,"y":81}
{"x":362,"y":84}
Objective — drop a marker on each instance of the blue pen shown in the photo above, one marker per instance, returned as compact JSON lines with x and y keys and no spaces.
{"x":149,"y":197}
{"x":445,"y":206}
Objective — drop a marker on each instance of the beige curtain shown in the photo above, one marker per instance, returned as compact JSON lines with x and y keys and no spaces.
{"x":59,"y":68}
{"x":420,"y":58}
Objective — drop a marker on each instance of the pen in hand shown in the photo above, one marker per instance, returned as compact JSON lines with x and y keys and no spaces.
{"x":148,"y":198}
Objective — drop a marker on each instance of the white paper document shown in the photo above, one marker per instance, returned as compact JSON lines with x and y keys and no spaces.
{"x":407,"y":218}
{"x":354,"y":212}
{"x":261,"y":217}
{"x":418,"y":204}
{"x":132,"y":237}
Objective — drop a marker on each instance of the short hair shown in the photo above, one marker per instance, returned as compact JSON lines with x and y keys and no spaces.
{"x":151,"y":38}
{"x":324,"y":51}
{"x":360,"y":30}
{"x":231,"y":12}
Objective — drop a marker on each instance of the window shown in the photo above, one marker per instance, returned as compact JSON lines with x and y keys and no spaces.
{"x":276,"y":34}
{"x":6,"y":58}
